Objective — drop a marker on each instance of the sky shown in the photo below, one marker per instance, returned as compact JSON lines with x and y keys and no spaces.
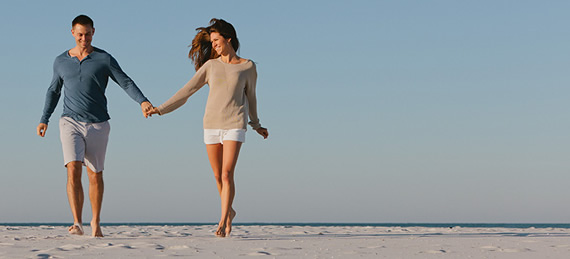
{"x":378,"y":112}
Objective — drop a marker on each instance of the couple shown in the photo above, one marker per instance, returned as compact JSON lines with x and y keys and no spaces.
{"x":84,"y":71}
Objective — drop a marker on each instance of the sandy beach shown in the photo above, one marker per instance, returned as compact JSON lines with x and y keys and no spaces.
{"x":274,"y":241}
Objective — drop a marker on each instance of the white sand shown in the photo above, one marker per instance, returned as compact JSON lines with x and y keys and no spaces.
{"x":286,"y":242}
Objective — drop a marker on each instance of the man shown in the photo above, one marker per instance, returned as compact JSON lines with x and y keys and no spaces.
{"x":83,"y":72}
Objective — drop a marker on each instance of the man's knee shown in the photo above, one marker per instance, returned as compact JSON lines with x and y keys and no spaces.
{"x":74,"y":171}
{"x":95,"y":177}
{"x":74,"y":165}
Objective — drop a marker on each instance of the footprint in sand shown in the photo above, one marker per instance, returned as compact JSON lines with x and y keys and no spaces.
{"x":106,"y":245}
{"x":178,"y":247}
{"x":434,"y":252}
{"x":124,"y":246}
{"x":70,"y":247}
{"x":514,"y":250}
{"x":259,"y":253}
{"x":505,"y":250}
{"x":490,"y":248}
{"x":148,"y":245}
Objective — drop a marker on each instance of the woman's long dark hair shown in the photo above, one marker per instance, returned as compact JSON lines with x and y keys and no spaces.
{"x":201,"y":50}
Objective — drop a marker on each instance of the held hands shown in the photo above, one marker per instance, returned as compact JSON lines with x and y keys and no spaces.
{"x":263,"y":132}
{"x":146,"y":107}
{"x":152,"y":111}
{"x":148,"y":110}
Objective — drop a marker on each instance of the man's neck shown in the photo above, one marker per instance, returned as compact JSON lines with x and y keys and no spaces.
{"x":81,"y":52}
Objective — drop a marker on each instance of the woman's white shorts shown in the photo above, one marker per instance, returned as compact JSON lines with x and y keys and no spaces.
{"x":217,"y":136}
{"x":84,"y":142}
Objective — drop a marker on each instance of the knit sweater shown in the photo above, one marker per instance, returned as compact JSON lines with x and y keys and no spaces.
{"x":231,"y":97}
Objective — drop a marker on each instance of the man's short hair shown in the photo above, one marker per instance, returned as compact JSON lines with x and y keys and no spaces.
{"x":83,"y":20}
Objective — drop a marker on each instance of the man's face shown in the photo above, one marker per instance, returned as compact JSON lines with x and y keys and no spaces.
{"x":83,"y":35}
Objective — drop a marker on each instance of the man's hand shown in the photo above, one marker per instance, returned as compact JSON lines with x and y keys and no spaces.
{"x":42,"y":128}
{"x":152,"y":111}
{"x":146,"y":107}
{"x":263,"y":132}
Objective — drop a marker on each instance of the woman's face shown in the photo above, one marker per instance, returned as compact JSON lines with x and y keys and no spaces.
{"x":220,"y":44}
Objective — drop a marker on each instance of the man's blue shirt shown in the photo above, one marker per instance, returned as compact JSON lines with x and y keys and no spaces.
{"x":85,"y":83}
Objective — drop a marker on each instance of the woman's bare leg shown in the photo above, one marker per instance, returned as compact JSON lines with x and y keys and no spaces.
{"x":231,"y":153}
{"x":223,"y":159}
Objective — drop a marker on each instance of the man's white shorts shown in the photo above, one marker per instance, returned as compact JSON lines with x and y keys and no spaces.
{"x":217,"y":136}
{"x":85,"y":142}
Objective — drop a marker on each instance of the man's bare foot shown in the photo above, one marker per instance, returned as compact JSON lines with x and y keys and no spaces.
{"x":76,"y":229}
{"x":96,"y":229}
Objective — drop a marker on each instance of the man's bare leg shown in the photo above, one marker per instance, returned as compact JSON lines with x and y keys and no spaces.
{"x":75,"y":195}
{"x":96,"y":187}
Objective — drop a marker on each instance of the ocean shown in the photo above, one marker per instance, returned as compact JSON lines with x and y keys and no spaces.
{"x":432,"y":225}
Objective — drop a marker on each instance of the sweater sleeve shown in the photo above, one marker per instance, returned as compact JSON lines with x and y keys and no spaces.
{"x":252,"y":100}
{"x":179,"y":98}
{"x":125,"y":82}
{"x":52,"y":95}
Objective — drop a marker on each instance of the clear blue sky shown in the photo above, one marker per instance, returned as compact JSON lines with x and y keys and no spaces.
{"x":378,"y":111}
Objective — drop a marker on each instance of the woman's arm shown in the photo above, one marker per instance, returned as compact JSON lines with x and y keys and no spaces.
{"x":180,"y":97}
{"x":252,"y":103}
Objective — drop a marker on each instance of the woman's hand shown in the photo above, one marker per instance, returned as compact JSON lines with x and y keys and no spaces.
{"x":152,"y":111}
{"x":263,"y":132}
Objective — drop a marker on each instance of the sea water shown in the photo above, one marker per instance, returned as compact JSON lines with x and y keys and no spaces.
{"x":429,"y":225}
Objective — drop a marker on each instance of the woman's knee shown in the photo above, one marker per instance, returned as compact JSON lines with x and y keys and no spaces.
{"x":227,"y":177}
{"x":218,"y":177}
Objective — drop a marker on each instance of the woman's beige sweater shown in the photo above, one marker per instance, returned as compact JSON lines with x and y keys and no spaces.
{"x":231,"y":97}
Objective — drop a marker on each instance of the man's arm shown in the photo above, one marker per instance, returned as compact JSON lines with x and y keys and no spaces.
{"x":125,"y":82}
{"x":52,"y":98}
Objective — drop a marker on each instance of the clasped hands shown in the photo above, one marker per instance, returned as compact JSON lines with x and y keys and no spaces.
{"x":148,"y":110}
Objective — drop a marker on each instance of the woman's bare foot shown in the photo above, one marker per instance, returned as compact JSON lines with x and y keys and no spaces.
{"x":96,"y":229}
{"x":229,"y":222}
{"x":76,"y":229}
{"x":225,"y":226}
{"x":221,"y":231}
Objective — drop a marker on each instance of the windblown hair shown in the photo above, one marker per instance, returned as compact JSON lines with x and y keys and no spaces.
{"x":83,"y":20}
{"x":201,"y":48}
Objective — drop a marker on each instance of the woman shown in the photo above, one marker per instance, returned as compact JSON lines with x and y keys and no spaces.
{"x":232,"y":81}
